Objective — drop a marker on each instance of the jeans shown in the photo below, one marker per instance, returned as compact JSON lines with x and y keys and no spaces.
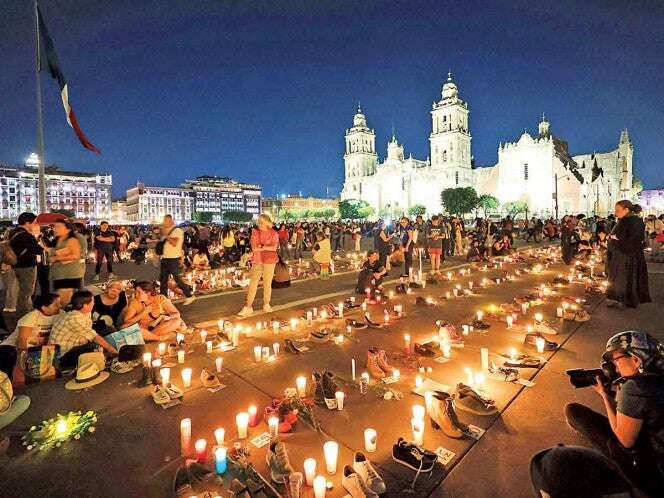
{"x":299,"y":245}
{"x":11,"y":288}
{"x":638,"y":464}
{"x":27,"y":278}
{"x":171,"y":266}
{"x":101,"y":253}
{"x":266,"y":270}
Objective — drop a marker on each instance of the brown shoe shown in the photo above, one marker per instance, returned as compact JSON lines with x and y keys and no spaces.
{"x":372,"y":365}
{"x":382,"y":362}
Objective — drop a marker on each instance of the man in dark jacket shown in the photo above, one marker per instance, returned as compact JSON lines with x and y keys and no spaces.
{"x":28,"y":255}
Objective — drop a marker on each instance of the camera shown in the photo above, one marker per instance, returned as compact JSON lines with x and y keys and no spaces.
{"x":582,"y":377}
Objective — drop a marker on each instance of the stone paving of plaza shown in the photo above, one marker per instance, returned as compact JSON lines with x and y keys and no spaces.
{"x":135,"y":450}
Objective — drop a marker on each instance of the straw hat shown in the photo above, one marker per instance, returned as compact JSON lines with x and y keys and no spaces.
{"x":88,"y":372}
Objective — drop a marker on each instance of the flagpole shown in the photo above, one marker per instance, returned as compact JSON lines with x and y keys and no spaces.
{"x":40,"y":123}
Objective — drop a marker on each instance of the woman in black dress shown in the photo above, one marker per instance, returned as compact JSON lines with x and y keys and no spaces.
{"x":625,"y":262}
{"x":567,"y":239}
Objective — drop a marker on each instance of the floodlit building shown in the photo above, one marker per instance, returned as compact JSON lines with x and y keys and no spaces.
{"x":652,"y":201}
{"x":300,"y":206}
{"x":539,"y":170}
{"x":148,"y":205}
{"x":86,"y":195}
{"x":217,"y":195}
{"x":119,"y":213}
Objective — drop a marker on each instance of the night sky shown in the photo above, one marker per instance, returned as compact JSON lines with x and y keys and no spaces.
{"x":263,"y":91}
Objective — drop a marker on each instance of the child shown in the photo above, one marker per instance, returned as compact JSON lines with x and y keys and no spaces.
{"x":322,"y":253}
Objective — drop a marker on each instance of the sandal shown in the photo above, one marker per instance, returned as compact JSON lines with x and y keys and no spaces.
{"x":480,"y":325}
{"x":503,"y":373}
{"x":319,"y":336}
{"x":173,"y":391}
{"x":160,"y":395}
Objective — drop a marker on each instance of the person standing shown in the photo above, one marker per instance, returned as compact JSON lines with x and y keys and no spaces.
{"x":264,"y":245}
{"x":28,"y":254}
{"x":435,"y":243}
{"x":104,"y":247}
{"x":407,"y":243}
{"x":171,"y":254}
{"x":625,"y":262}
{"x":299,"y":240}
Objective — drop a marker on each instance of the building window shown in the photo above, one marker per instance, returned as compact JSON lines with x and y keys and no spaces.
{"x":525,"y":172}
{"x":456,"y":177}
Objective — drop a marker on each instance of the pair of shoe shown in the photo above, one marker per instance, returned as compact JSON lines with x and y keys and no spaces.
{"x":278,"y":462}
{"x":428,"y":349}
{"x":545,"y":327}
{"x":325,"y":388}
{"x":469,"y":400}
{"x":442,"y":412}
{"x":521,"y":361}
{"x":576,"y":316}
{"x":414,"y":457}
{"x":295,"y":347}
{"x":209,"y":379}
{"x":503,"y":373}
{"x":322,"y":335}
{"x":194,"y":475}
{"x":248,"y":311}
{"x":121,"y":367}
{"x":449,"y":330}
{"x":361,"y":480}
{"x":377,"y":364}
{"x":165,"y":394}
{"x":355,"y":324}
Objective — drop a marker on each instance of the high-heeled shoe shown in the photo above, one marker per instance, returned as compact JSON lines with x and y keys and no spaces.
{"x":443,"y":415}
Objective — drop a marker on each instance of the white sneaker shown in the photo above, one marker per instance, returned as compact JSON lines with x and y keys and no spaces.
{"x":368,"y":474}
{"x":267,"y":309}
{"x":246,"y":311}
{"x":352,"y":483}
{"x":9,"y":309}
{"x":544,"y":328}
{"x":189,"y":300}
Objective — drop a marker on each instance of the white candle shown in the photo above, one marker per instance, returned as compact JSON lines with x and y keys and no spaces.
{"x":320,"y":485}
{"x":484,"y":356}
{"x":340,"y":310}
{"x":538,"y":317}
{"x":275,"y":327}
{"x":275,"y":348}
{"x":185,"y":436}
{"x":396,"y":374}
{"x":513,"y":354}
{"x":208,"y":346}
{"x":165,"y":375}
{"x":559,"y":312}
{"x":310,"y":471}
{"x":417,"y":425}
{"x":331,"y":452}
{"x":480,"y":314}
{"x":219,"y":436}
{"x":242,"y":422}
{"x":340,"y":396}
{"x":464,"y":329}
{"x":310,"y":316}
{"x":203,"y":336}
{"x":147,"y":359}
{"x":406,"y":342}
{"x":236,"y":337}
{"x":258,"y":353}
{"x":447,"y":350}
{"x":301,"y":384}
{"x":273,"y":424}
{"x":370,"y":440}
{"x":179,"y":337}
{"x":181,"y":356}
{"x":418,"y":381}
{"x":479,"y":380}
{"x":219,"y":362}
{"x":469,"y":375}
{"x":508,"y":320}
{"x":352,"y":366}
{"x":162,"y":348}
{"x":186,"y":377}
{"x":364,"y":306}
{"x":259,"y":326}
{"x":220,"y":325}
{"x":540,"y":344}
{"x":293,"y":323}
{"x":418,"y":412}
{"x":524,"y":308}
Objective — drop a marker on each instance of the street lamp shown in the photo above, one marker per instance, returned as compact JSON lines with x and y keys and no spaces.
{"x":555,"y":195}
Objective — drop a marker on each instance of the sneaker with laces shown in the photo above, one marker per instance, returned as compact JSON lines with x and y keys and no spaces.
{"x":531,"y":340}
{"x":246,"y":311}
{"x":160,"y":395}
{"x":278,"y":462}
{"x":412,"y":456}
{"x":544,"y":327}
{"x":121,"y":367}
{"x":443,"y":415}
{"x":330,"y":388}
{"x":368,"y":474}
{"x":372,"y":365}
{"x":468,"y":400}
{"x":352,"y":483}
{"x":503,"y":373}
{"x":383,"y":364}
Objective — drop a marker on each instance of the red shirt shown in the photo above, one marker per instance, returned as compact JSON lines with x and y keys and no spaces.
{"x":283,"y":234}
{"x":264,"y":238}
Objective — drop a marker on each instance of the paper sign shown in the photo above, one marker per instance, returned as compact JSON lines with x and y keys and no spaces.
{"x":441,"y":359}
{"x":261,"y":440}
{"x":445,"y":456}
{"x":524,"y":382}
{"x":475,"y":432}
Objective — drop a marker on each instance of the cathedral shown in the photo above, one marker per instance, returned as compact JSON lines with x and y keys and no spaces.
{"x":538,"y":170}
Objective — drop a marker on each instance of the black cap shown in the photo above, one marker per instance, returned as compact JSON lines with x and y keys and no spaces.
{"x":572,"y":471}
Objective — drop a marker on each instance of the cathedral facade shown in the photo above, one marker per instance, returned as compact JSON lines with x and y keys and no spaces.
{"x":538,"y":170}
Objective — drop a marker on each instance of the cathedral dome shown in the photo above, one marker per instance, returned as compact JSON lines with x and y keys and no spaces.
{"x":359,"y":119}
{"x":450,"y":89}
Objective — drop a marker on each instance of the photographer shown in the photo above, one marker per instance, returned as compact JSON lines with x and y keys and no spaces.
{"x":632,"y":433}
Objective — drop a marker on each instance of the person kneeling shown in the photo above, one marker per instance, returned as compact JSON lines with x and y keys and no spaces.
{"x":74,"y":334}
{"x":371,"y":275}
{"x":632,"y":433}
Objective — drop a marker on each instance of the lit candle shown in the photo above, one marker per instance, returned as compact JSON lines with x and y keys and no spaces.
{"x":253,"y":418}
{"x":301,"y":384}
{"x":484,"y":356}
{"x":258,"y":352}
{"x":513,"y":354}
{"x":185,"y":436}
{"x":310,"y":316}
{"x":418,"y":412}
{"x":479,"y":380}
{"x":179,"y":337}
{"x":147,"y":359}
{"x":275,"y":327}
{"x":417,"y":425}
{"x":293,"y":323}
{"x":162,"y":348}
{"x":418,"y":381}
{"x":524,"y":308}
{"x":203,"y":336}
{"x":539,"y":342}
{"x":331,"y":452}
{"x":447,"y":350}
{"x":273,"y":425}
{"x":509,"y":321}
{"x":165,"y":375}
{"x":340,"y":310}
{"x":480,"y":314}
{"x":219,"y":436}
{"x":275,"y":348}
{"x":220,"y":461}
{"x":469,"y":374}
{"x":181,"y":356}
{"x":320,"y":485}
{"x":259,"y":326}
{"x":323,"y":314}
{"x":406,"y":343}
{"x":465,"y":329}
{"x":236,"y":337}
{"x":340,"y":396}
{"x":219,"y":363}
{"x":208,"y":346}
{"x":559,"y":312}
{"x":310,"y":471}
{"x":242,"y":422}
{"x":364,"y":306}
{"x":352,"y":367}
{"x":565,"y":305}
{"x":538,"y":317}
{"x":220,"y":325}
{"x":201,"y":450}
{"x":186,"y":377}
{"x":370,"y":440}
{"x":470,"y":284}
{"x":396,"y":374}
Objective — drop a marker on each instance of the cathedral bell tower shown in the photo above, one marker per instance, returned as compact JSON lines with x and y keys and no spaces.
{"x":360,"y":159}
{"x":450,"y":139}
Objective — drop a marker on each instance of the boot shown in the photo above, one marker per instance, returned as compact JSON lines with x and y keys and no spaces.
{"x":146,"y":379}
{"x":372,"y":365}
{"x":382,"y":362}
{"x":278,"y":462}
{"x":294,"y":484}
{"x":443,"y":416}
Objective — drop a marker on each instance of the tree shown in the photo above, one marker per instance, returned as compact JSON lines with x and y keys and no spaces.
{"x":417,"y":210}
{"x":516,"y":207}
{"x":365,"y":212}
{"x":238,"y":217}
{"x":637,"y":186}
{"x":350,"y":209}
{"x":69,"y":213}
{"x":487,"y":203}
{"x":459,"y":200}
{"x":202,"y":217}
{"x":329,"y":213}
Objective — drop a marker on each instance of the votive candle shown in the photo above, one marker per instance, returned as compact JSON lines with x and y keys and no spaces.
{"x":370,"y":440}
{"x":220,"y":436}
{"x":319,"y":485}
{"x":219,"y":363}
{"x":253,"y":415}
{"x":185,"y":436}
{"x":220,"y":460}
{"x":309,"y":471}
{"x":242,"y":422}
{"x":417,"y":425}
{"x":273,"y":425}
{"x":301,"y":384}
{"x":165,"y":375}
{"x":186,"y":377}
{"x":331,"y":452}
{"x":201,"y":450}
{"x":181,"y":356}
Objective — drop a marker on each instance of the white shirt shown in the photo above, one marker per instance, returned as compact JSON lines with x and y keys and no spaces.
{"x":41,"y":328}
{"x":174,"y":251}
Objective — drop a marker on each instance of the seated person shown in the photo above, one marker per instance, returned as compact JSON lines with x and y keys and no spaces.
{"x":632,"y":433}
{"x":245,"y":259}
{"x":108,"y":307}
{"x":153,"y":312}
{"x":73,"y":331}
{"x":216,"y":258}
{"x":601,"y":242}
{"x":501,"y":246}
{"x":371,"y":275}
{"x":200,"y":260}
{"x":32,"y":329}
{"x":281,"y":277}
{"x":583,"y":247}
{"x":477,"y":252}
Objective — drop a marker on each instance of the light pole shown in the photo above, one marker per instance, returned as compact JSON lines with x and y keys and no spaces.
{"x":555,"y":195}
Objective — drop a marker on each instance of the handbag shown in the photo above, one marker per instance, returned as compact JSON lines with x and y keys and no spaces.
{"x":36,"y":364}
